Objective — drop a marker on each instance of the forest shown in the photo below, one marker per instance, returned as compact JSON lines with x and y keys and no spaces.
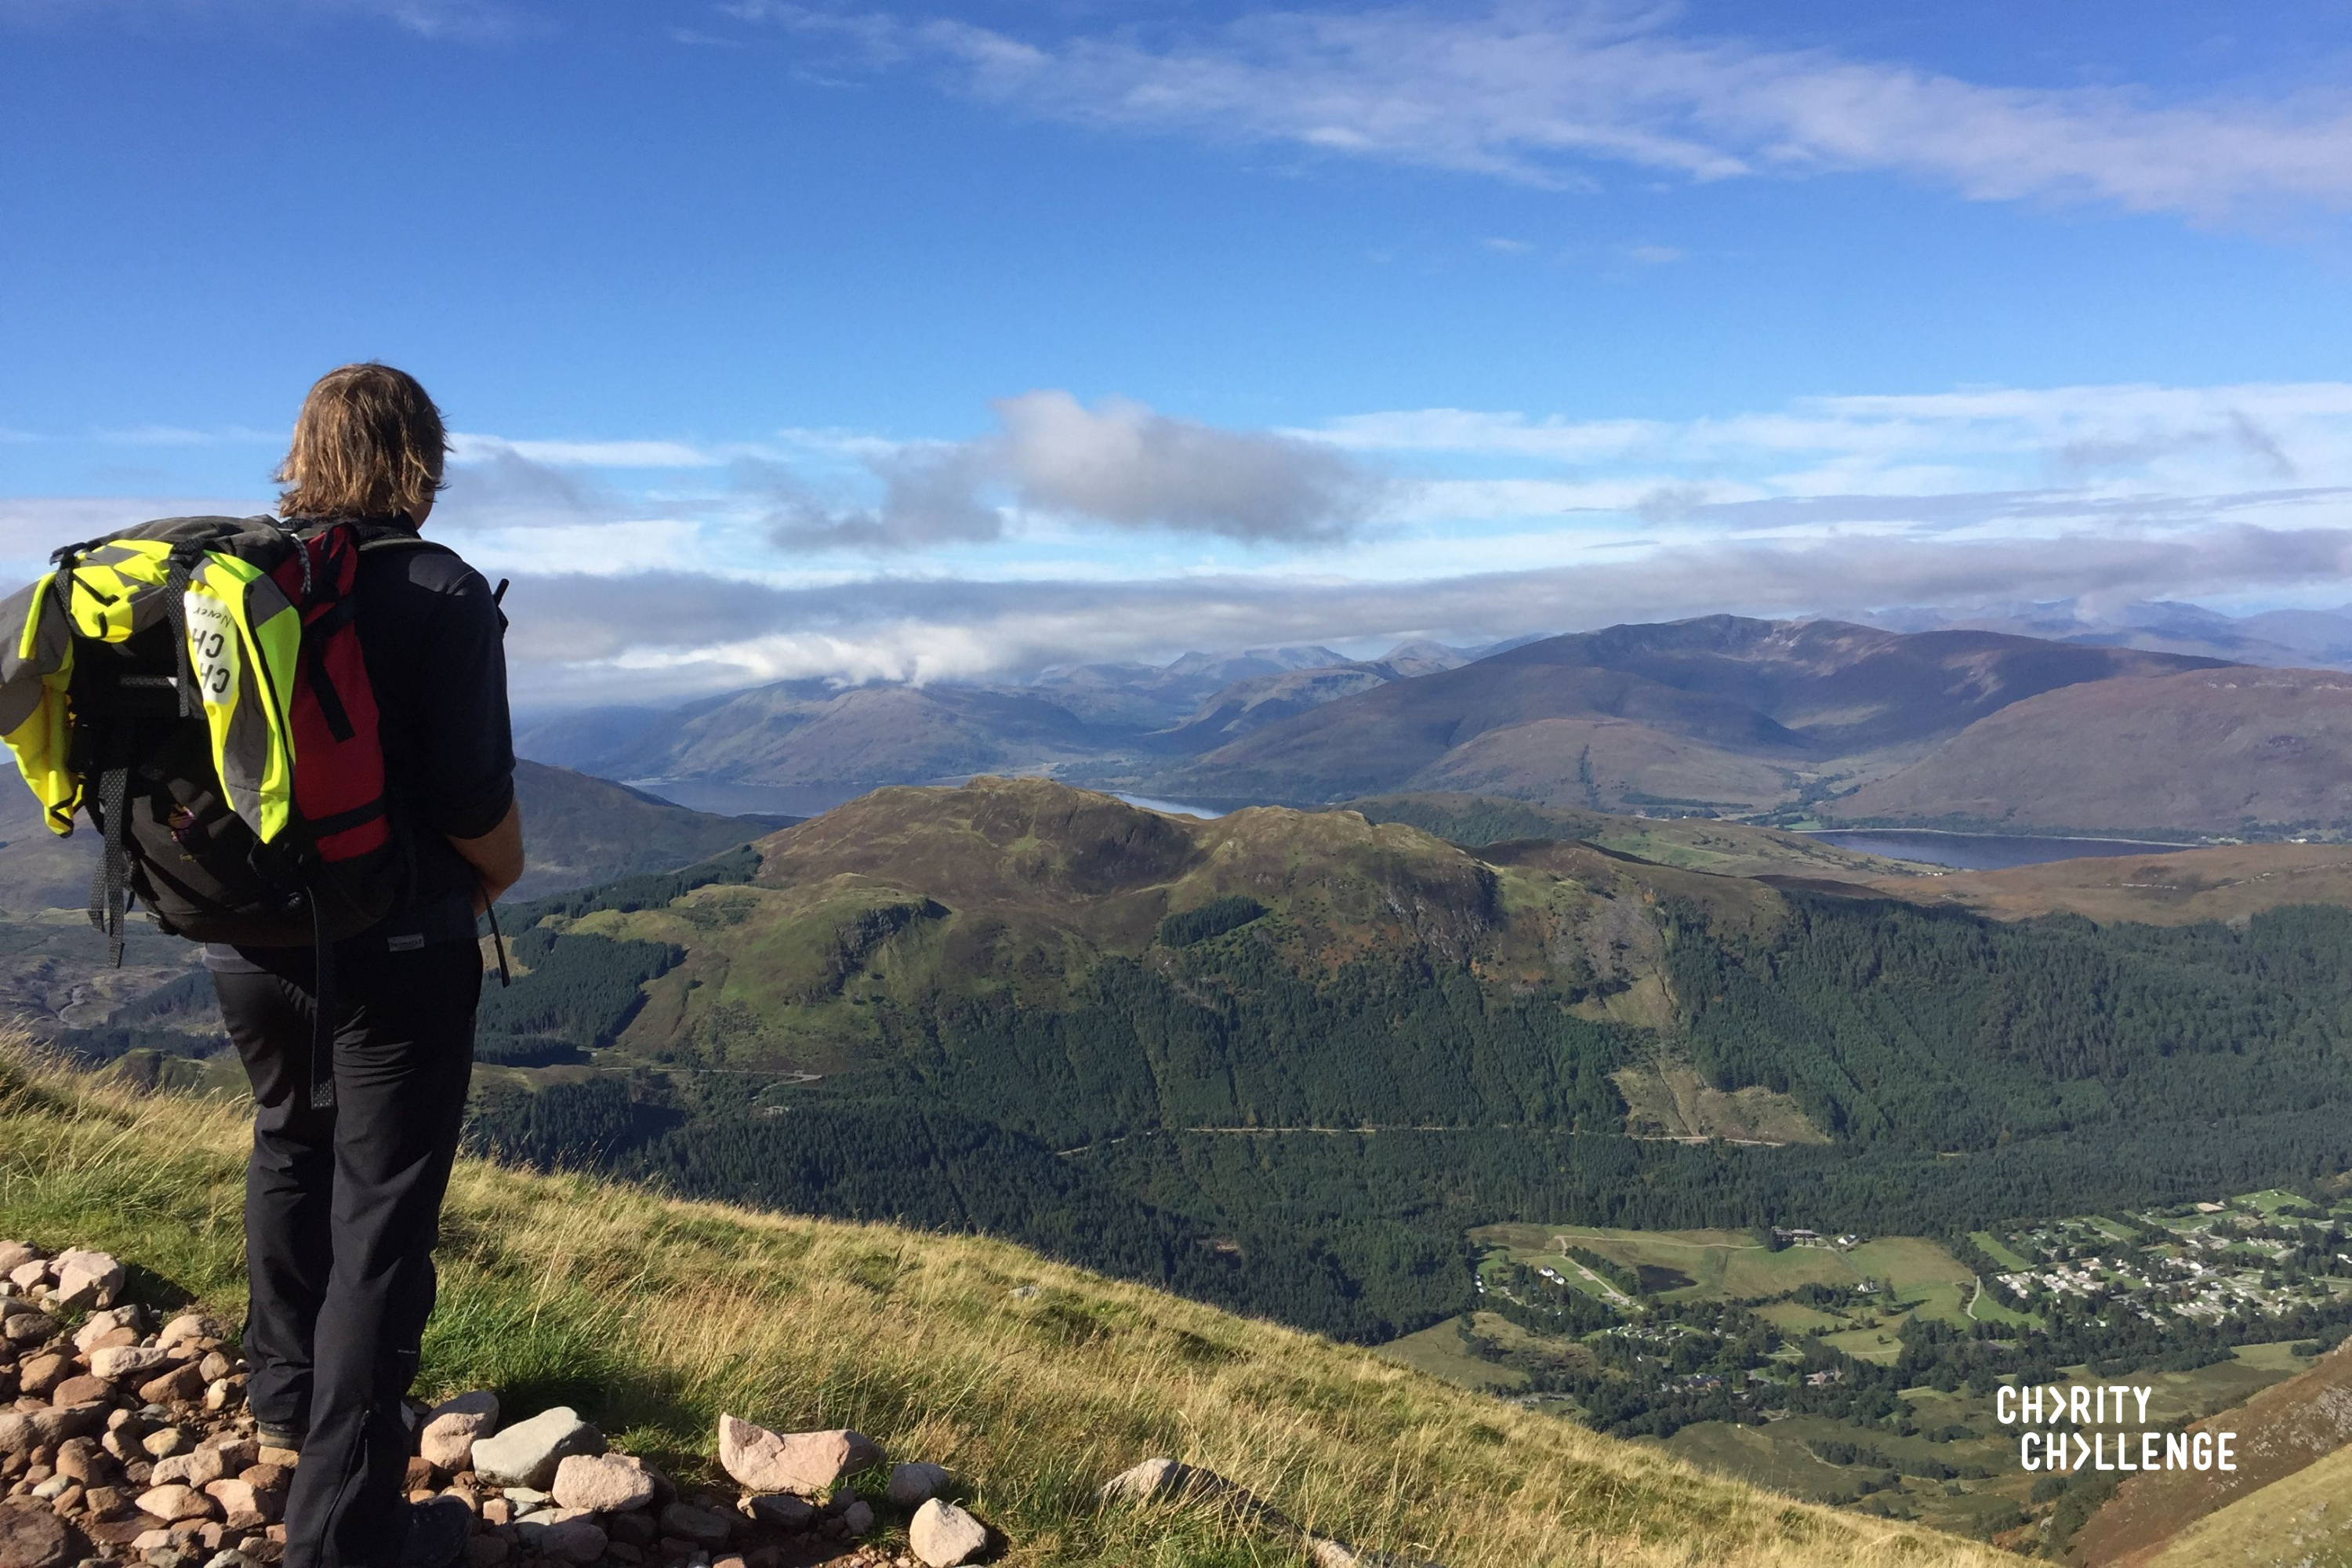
{"x":1312,"y":1145}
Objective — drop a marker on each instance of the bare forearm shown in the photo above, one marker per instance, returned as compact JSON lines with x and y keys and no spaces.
{"x":495,"y":857}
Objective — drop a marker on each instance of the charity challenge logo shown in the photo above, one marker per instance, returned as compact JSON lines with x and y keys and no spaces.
{"x":2052,"y":1418}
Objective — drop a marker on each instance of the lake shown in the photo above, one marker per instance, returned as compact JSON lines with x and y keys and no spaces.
{"x":1980,"y":851}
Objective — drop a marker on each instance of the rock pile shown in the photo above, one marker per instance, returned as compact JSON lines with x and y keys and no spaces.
{"x":120,"y":1441}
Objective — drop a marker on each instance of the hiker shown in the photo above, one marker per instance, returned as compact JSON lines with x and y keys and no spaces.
{"x":343,"y":1204}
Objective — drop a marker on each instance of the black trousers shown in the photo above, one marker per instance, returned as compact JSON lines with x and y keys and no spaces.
{"x":342,"y":1211}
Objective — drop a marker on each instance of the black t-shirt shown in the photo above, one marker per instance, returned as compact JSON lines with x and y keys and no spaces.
{"x":433,"y":641}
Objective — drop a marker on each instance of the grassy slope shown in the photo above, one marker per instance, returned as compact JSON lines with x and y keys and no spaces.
{"x":2299,"y":1522}
{"x":653,"y":1316}
{"x":2283,"y":1431}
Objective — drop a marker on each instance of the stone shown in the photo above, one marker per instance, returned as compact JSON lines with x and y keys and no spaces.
{"x":913,"y":1485}
{"x":244,"y":1506}
{"x":274,"y":1477}
{"x":82,"y":1390}
{"x":106,"y":1503}
{"x":784,"y":1511}
{"x":236,"y":1453}
{"x":199,"y":1467}
{"x":944,"y":1533}
{"x":36,"y":1538}
{"x":188,"y":1326}
{"x":173,"y":1503}
{"x":527,"y":1453}
{"x":118,"y":1363}
{"x":166,"y":1441}
{"x":29,"y":1275}
{"x":858,"y":1517}
{"x":102,"y":1327}
{"x":81,"y":1459}
{"x":699,"y":1525}
{"x":636,"y":1528}
{"x":420,"y":1476}
{"x":27,"y":1327}
{"x":179,"y":1385}
{"x":39,"y":1373}
{"x":14,"y":1255}
{"x":604,"y":1483}
{"x":810,"y":1463}
{"x":451,"y":1428}
{"x":85,"y":1278}
{"x":567,"y":1538}
{"x":284,"y":1458}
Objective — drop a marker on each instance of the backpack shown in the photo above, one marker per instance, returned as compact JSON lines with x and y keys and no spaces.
{"x":197,"y":686}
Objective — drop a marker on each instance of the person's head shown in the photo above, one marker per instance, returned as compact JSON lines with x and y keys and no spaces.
{"x":368,"y":443}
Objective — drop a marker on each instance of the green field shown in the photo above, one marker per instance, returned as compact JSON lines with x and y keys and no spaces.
{"x":1998,"y":1250}
{"x":1437,"y":1350}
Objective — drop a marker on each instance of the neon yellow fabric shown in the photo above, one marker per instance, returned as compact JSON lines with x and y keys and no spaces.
{"x":245,"y":644}
{"x":39,"y":740}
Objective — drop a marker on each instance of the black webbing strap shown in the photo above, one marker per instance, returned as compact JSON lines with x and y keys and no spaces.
{"x":109,"y":881}
{"x":323,"y":1006}
{"x":181,"y":567}
{"x":498,"y":944}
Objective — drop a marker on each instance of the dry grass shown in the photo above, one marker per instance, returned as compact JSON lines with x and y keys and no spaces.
{"x":653,"y":1315}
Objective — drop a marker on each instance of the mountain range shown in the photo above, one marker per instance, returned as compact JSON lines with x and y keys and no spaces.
{"x":1779,"y":721}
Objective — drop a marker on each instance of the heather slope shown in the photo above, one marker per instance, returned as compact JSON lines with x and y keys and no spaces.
{"x":2220,"y":751}
{"x":653,"y":1316}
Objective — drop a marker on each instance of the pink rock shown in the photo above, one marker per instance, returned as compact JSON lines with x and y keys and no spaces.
{"x":812,"y":1463}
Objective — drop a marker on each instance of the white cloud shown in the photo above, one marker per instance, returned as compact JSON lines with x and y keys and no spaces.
{"x":1539,"y":91}
{"x":1118,"y":463}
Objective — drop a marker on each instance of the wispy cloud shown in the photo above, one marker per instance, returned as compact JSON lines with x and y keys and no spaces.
{"x":1545,"y":92}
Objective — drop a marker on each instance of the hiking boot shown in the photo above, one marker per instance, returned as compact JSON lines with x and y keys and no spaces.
{"x":274,"y":1436}
{"x":436,"y":1533}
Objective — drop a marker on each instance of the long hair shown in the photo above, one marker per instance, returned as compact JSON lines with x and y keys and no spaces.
{"x":369,"y":443}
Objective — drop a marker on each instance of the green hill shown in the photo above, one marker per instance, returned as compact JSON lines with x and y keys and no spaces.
{"x":1032,"y":1380}
{"x":1285,"y":1061}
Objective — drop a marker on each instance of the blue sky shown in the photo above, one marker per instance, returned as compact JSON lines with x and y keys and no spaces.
{"x":953,"y":341}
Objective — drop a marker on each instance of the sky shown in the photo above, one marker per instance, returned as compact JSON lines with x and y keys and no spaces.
{"x":952,"y":343}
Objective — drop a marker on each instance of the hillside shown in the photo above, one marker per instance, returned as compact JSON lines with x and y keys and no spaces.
{"x":2217,"y":751}
{"x":1721,"y":711}
{"x":1034,"y":1380}
{"x":1285,"y":1061}
{"x":2284,"y":1432}
{"x":577,"y":830}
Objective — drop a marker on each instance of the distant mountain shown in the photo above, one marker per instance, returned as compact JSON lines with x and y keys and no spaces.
{"x":1144,"y":697}
{"x":1716,"y":714}
{"x":2224,"y":751}
{"x":576,"y":830}
{"x":804,"y":734}
{"x":579,"y":830}
{"x":814,"y":737}
{"x":2285,"y":638}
